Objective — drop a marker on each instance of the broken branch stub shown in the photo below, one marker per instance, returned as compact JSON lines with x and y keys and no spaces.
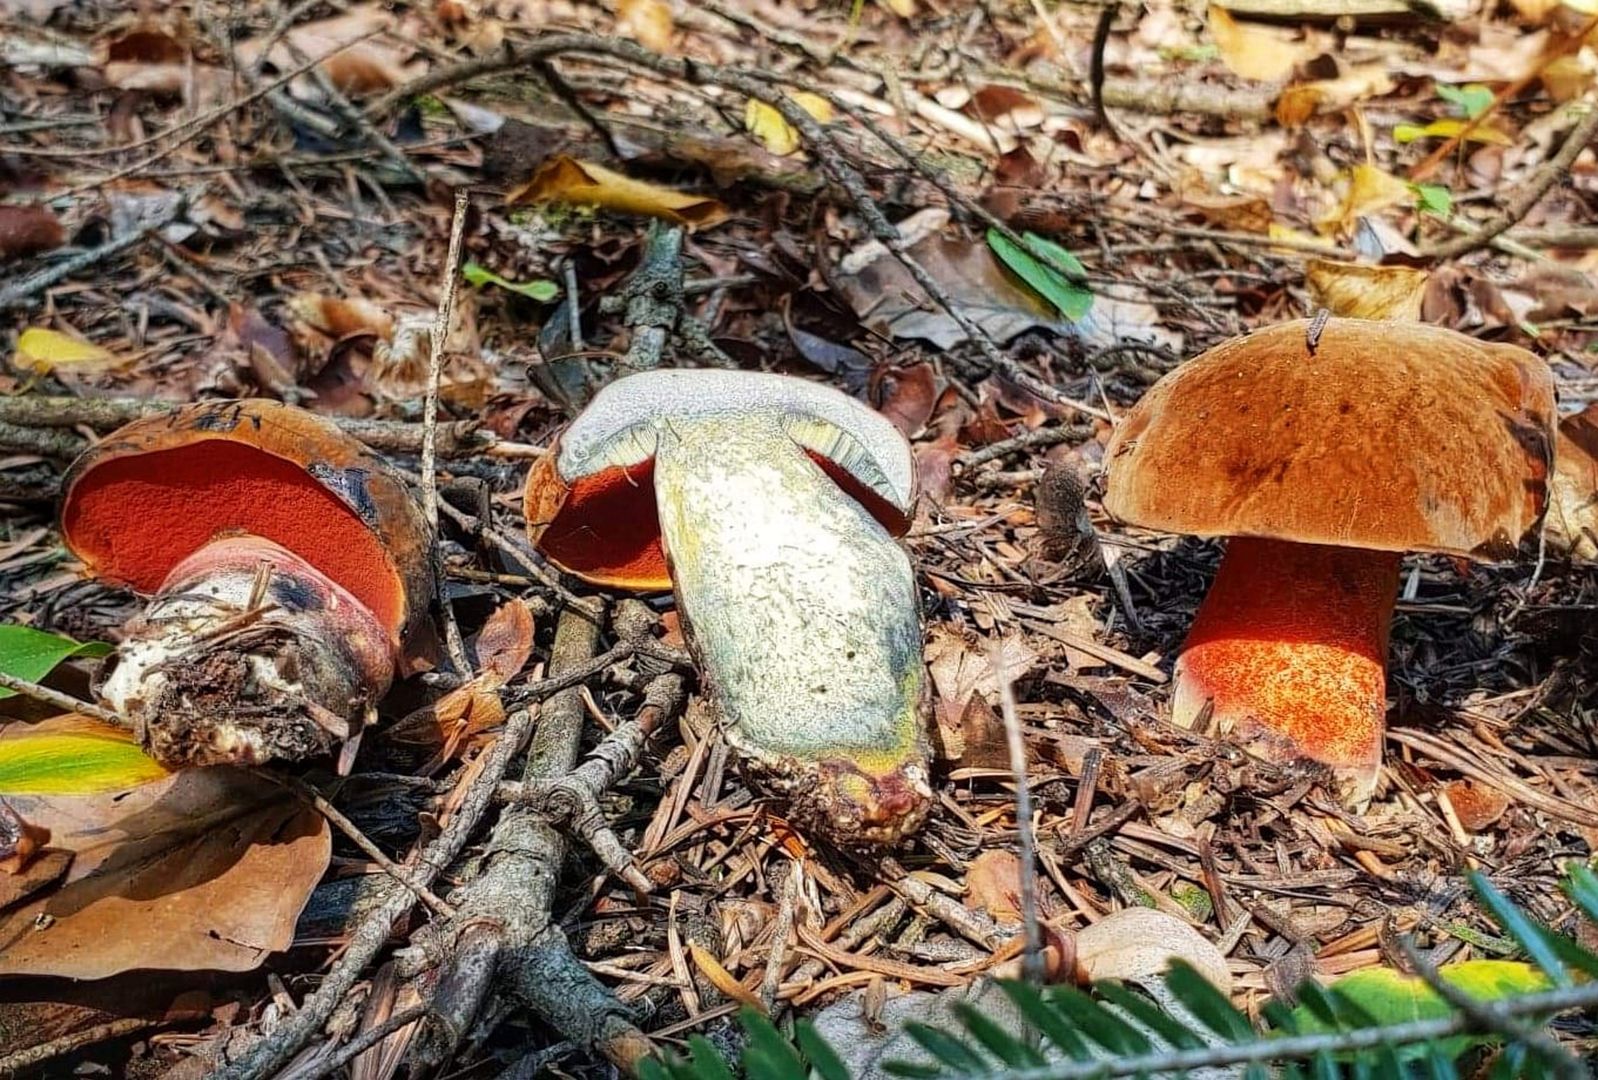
{"x":769,"y":505}
{"x":290,"y":571}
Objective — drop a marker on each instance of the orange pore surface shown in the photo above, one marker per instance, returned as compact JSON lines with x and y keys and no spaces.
{"x":1291,"y":642}
{"x":607,"y":531}
{"x":133,"y":518}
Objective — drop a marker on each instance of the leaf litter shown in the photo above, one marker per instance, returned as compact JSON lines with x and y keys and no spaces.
{"x":273,"y":242}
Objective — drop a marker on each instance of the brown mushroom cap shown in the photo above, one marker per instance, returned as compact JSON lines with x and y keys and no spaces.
{"x":1387,"y":436}
{"x":590,"y":504}
{"x":1572,"y":526}
{"x":154,"y":492}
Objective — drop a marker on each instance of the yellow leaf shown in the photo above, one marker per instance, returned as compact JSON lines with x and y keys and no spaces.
{"x":72,"y":755}
{"x":1298,"y":236}
{"x":42,"y":350}
{"x":721,"y":978}
{"x":1250,"y":51}
{"x":905,"y":9}
{"x":1358,"y":291}
{"x":1451,"y":127}
{"x":1298,"y":103}
{"x":767,"y":125}
{"x":647,"y":22}
{"x":564,"y":179}
{"x":1369,"y":190}
{"x":1567,"y":77}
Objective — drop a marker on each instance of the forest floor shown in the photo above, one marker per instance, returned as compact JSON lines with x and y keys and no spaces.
{"x":257,"y":201}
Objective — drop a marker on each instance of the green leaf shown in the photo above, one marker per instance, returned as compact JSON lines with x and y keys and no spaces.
{"x":653,"y":1069}
{"x":1149,"y":1015}
{"x":29,"y":654}
{"x":1208,"y":1004}
{"x":1471,"y":99}
{"x":1046,"y":1019}
{"x":946,"y":1048}
{"x":1002,"y":1044}
{"x":542,"y":291}
{"x":1097,"y":1022}
{"x":1052,"y":279}
{"x":707,"y":1061}
{"x":1519,"y":927}
{"x":822,"y":1058}
{"x":1439,"y":1064}
{"x":911,"y":1069}
{"x":1581,"y":885}
{"x":1326,"y":1067}
{"x":1434,"y":199}
{"x":72,"y":755}
{"x":768,"y":1053}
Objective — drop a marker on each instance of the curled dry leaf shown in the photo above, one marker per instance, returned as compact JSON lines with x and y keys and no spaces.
{"x":341,"y":317}
{"x":993,"y":884}
{"x":1298,"y":103}
{"x":1358,"y":291}
{"x":905,"y":395}
{"x":1477,"y":806}
{"x":778,"y":136}
{"x":1251,"y":51}
{"x":1138,"y":944}
{"x":28,"y":230}
{"x":505,"y":642}
{"x":564,"y":179}
{"x":206,"y":869}
{"x":1369,"y":190}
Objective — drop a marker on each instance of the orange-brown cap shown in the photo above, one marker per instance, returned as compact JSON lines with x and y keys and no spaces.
{"x":590,"y":502}
{"x":152,"y":493}
{"x":1386,"y":435}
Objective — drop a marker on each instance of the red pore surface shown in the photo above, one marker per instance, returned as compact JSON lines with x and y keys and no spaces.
{"x":1290,"y":646}
{"x":134,"y":518}
{"x":607,"y":531}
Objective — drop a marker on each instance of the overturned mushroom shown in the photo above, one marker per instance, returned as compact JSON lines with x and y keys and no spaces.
{"x":1572,"y":525}
{"x":290,"y":571}
{"x":769,"y":504}
{"x":1324,"y":455}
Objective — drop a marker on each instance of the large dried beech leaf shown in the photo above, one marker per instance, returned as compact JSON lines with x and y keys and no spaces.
{"x":505,"y":642}
{"x":205,"y":870}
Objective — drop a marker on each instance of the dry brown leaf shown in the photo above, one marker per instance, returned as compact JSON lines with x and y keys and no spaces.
{"x":28,"y":230}
{"x":964,"y":683}
{"x":1251,"y":51}
{"x":564,"y":179}
{"x":1477,"y":806}
{"x":363,"y":65}
{"x":1359,"y":291}
{"x":204,"y":870}
{"x":1572,"y":523}
{"x":722,"y":979}
{"x":1298,"y":103}
{"x":905,"y":395}
{"x":1369,"y":190}
{"x":505,"y":642}
{"x":993,"y":884}
{"x":340,"y":317}
{"x":647,"y":22}
{"x":1140,"y":943}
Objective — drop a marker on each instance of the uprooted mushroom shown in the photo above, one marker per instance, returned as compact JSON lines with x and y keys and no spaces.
{"x":1324,"y":453}
{"x":769,"y":504}
{"x":290,"y":572}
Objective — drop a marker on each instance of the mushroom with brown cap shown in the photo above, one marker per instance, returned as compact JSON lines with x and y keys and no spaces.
{"x":769,"y":504}
{"x":1323,"y":460}
{"x":290,"y":570}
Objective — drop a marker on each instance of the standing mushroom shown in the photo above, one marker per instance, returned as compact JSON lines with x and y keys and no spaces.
{"x":291,"y":573}
{"x":1323,"y":460}
{"x":769,"y":505}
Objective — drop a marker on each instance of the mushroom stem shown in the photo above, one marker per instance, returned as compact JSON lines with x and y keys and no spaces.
{"x":1290,"y":649}
{"x":247,"y":654}
{"x":802,"y":613}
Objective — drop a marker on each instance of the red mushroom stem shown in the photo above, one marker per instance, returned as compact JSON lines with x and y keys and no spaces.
{"x":1290,"y":649}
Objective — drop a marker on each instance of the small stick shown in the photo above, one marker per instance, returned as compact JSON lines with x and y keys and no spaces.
{"x":336,"y":818}
{"x":21,"y":1061}
{"x":23,"y":289}
{"x":366,"y":1040}
{"x":435,"y":370}
{"x":60,"y":700}
{"x":1033,"y":966}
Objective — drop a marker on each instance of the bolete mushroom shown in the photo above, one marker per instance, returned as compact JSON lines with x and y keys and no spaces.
{"x":290,"y":570}
{"x":1323,"y":459}
{"x":1572,"y":525}
{"x":769,"y":504}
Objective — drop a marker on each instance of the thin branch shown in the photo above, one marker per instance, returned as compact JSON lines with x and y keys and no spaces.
{"x":1032,"y":963}
{"x":1526,"y":195}
{"x":61,"y":701}
{"x":23,"y":1060}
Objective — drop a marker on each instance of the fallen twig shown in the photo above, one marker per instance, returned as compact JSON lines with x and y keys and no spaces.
{"x":24,"y":289}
